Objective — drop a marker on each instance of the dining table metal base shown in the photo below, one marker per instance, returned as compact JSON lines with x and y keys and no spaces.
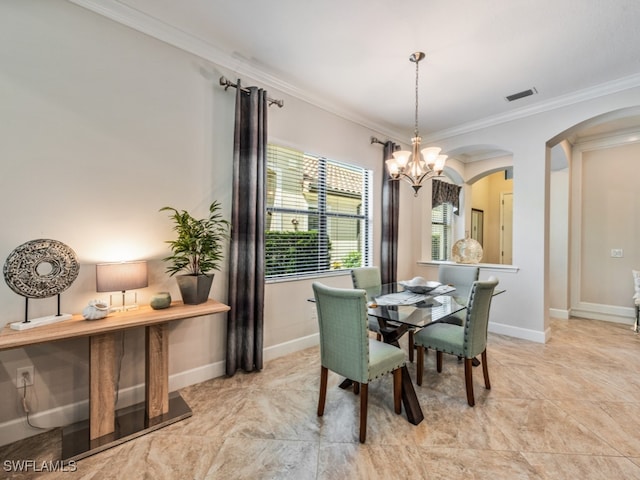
{"x":409,"y":397}
{"x":391,"y":335}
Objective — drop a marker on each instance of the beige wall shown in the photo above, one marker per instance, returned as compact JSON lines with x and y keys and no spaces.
{"x":100,"y":127}
{"x":559,"y":244}
{"x":486,"y":195}
{"x":609,"y":209}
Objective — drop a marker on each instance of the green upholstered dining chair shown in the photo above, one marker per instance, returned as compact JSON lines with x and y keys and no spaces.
{"x":467,"y":340}
{"x":462,"y":277}
{"x":347,"y":349}
{"x":369,"y":280}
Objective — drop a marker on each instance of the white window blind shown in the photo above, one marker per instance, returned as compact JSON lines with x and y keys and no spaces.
{"x":441,"y":232}
{"x":318,"y":214}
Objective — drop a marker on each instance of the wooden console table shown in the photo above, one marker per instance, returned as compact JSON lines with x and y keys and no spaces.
{"x":107,"y":427}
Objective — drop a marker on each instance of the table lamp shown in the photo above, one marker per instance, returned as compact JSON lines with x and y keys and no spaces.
{"x":120,"y":277}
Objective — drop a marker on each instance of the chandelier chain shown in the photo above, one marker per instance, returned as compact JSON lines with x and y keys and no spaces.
{"x":416,"y":113}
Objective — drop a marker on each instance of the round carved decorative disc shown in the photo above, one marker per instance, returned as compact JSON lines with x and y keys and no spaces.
{"x":41,"y":268}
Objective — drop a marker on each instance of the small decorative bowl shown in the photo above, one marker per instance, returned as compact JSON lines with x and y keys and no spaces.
{"x":160,"y":300}
{"x":419,"y":286}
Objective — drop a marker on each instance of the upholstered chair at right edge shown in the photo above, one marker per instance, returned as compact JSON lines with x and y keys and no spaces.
{"x":466,"y":341}
{"x":346,"y":349}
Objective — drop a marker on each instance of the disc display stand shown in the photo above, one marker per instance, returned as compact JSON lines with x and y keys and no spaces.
{"x":37,"y":322}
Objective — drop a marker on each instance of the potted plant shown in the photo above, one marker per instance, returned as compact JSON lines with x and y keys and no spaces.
{"x":196,"y":252}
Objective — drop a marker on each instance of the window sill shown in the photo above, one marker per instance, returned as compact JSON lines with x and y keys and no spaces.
{"x":311,"y":276}
{"x":483,"y":266}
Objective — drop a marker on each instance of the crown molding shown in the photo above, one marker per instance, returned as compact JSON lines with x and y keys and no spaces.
{"x":578,"y":96}
{"x":155,"y":28}
{"x":175,"y":37}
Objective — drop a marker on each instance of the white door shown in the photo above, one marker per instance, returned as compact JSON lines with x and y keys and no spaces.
{"x":506,"y":228}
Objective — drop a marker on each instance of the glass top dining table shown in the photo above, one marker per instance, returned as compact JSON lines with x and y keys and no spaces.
{"x":391,"y":302}
{"x":399,"y":311}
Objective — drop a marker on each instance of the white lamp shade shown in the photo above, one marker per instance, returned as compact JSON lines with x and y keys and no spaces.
{"x":430,"y":154}
{"x":439,"y":164}
{"x":402,"y":158}
{"x":392,"y":167}
{"x":119,"y":277}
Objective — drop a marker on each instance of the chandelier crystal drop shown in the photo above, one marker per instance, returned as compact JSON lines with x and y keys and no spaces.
{"x":416,"y":165}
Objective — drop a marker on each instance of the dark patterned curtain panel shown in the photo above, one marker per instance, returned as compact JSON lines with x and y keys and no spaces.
{"x":246,"y":265}
{"x":390,"y":210}
{"x":443,"y":192}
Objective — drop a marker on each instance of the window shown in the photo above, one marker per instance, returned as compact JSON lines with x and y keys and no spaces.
{"x":441,"y":231}
{"x":318,"y":214}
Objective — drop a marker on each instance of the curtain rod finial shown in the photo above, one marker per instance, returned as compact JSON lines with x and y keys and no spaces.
{"x":224,"y":82}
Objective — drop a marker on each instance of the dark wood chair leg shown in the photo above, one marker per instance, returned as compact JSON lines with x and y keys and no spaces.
{"x":364,"y":394}
{"x":411,"y":345}
{"x":485,"y":370}
{"x":420,"y":364}
{"x":379,"y":336}
{"x":438,"y":361}
{"x":356,"y":388}
{"x":397,"y":390}
{"x":468,"y":380}
{"x":323,"y":390}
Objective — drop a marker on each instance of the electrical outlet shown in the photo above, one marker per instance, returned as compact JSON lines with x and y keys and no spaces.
{"x":24,"y":373}
{"x":616,"y":252}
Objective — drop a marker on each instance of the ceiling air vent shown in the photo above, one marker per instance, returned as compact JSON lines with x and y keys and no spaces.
{"x":522,"y":94}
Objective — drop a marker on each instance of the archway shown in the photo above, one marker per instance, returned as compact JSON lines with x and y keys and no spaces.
{"x":593,"y":202}
{"x":486,"y":172}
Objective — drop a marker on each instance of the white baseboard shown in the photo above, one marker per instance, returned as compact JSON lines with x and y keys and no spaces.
{"x":558,"y":313}
{"x":18,"y":429}
{"x":591,"y":315}
{"x":518,"y":332}
{"x":608,"y":313}
{"x":291,"y":346}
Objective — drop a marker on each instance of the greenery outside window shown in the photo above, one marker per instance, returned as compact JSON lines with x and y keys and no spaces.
{"x":318,"y":214}
{"x":441,"y":231}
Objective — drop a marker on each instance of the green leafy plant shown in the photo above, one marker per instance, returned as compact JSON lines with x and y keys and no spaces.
{"x":198,"y":248}
{"x":289,"y":252}
{"x":352,"y":260}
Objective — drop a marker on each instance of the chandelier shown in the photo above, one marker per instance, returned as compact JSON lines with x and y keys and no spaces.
{"x":415,"y":166}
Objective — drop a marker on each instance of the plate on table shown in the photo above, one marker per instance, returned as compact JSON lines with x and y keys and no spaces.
{"x":419,"y":285}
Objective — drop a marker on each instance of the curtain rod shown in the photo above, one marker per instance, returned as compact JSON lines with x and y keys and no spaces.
{"x":375,"y":140}
{"x":227,"y":83}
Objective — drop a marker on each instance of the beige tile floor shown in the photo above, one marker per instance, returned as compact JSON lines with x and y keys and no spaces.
{"x":564,"y":410}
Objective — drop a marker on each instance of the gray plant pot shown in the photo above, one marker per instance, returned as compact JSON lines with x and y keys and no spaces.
{"x":194,"y":288}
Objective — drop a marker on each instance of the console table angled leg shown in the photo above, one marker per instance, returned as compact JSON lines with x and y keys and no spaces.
{"x":102,"y":403}
{"x":157,"y":370}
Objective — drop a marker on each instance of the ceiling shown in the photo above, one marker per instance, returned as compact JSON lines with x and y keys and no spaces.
{"x":352,"y":56}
